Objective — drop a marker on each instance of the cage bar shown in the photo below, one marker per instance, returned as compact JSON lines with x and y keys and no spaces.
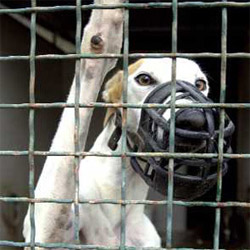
{"x":124,"y":127}
{"x":170,"y":191}
{"x":218,"y":4}
{"x":127,"y":154}
{"x":78,"y":154}
{"x":32,"y":125}
{"x":242,"y":55}
{"x":122,"y":105}
{"x":222,"y":125}
{"x":77,"y":121}
{"x":129,"y":202}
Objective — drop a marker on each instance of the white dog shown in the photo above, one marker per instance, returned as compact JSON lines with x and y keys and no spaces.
{"x":100,"y":177}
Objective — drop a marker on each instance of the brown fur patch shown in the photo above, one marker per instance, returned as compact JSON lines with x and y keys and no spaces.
{"x":133,"y":67}
{"x":114,"y":87}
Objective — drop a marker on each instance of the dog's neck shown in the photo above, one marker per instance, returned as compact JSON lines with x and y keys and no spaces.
{"x":135,"y":186}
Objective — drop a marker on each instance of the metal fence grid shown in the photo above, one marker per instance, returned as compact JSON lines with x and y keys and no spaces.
{"x":32,"y":106}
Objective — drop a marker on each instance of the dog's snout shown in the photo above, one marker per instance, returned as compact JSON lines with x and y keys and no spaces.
{"x":192,"y":119}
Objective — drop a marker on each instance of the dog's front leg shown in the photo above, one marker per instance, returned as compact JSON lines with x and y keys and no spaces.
{"x":103,"y":34}
{"x":97,"y":228}
{"x":141,"y":232}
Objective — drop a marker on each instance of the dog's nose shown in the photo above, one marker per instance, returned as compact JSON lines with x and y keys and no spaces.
{"x":192,"y":119}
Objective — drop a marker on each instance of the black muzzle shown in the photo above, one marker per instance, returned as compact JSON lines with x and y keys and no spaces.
{"x":196,"y":131}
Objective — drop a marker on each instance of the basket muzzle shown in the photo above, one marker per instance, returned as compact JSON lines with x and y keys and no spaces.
{"x":196,"y":131}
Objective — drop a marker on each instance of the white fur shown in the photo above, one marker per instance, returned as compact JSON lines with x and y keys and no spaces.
{"x":103,"y":179}
{"x":100,"y":177}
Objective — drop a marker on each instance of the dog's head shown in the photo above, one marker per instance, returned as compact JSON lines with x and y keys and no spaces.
{"x":144,"y":76}
{"x":149,"y":81}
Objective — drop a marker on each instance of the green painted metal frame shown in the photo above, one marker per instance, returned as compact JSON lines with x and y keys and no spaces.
{"x":77,"y":120}
{"x":124,"y":126}
{"x":32,"y":106}
{"x":32,"y":123}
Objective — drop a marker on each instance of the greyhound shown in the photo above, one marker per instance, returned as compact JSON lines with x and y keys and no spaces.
{"x":100,"y":177}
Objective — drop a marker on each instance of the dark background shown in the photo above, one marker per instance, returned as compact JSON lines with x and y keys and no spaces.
{"x":199,"y":30}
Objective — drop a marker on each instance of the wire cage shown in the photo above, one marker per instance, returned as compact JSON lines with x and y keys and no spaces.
{"x":32,"y":106}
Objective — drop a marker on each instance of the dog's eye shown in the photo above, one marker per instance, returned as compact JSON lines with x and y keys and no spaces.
{"x":200,"y":84}
{"x":145,"y":79}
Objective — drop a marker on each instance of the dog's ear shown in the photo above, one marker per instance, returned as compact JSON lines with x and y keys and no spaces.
{"x":113,"y":88}
{"x":113,"y":93}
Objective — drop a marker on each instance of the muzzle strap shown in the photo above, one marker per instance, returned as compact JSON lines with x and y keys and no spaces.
{"x":116,"y":135}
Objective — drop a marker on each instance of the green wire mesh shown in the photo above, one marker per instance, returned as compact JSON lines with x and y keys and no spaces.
{"x":32,"y":124}
{"x":32,"y":106}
